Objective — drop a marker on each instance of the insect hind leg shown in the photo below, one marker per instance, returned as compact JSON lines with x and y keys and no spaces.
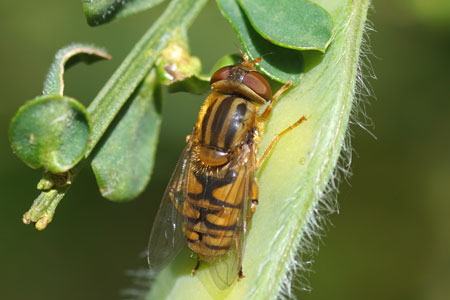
{"x":275,"y":140}
{"x":241,"y":274}
{"x":254,"y":200}
{"x":269,"y":107}
{"x":197,"y":265}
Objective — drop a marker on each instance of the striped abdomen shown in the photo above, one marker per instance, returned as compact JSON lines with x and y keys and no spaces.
{"x":212,"y":210}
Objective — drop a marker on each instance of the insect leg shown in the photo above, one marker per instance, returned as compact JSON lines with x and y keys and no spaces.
{"x":253,"y":199}
{"x":240,"y":273}
{"x":239,"y":250}
{"x":197,"y":265}
{"x":269,"y":107}
{"x":275,"y":140}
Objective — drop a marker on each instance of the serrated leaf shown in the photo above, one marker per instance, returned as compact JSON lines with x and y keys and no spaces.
{"x":98,"y":12}
{"x":50,"y":131}
{"x":280,"y":64}
{"x":296,"y":24}
{"x":124,"y":161}
{"x":295,"y":175}
{"x":67,"y":57}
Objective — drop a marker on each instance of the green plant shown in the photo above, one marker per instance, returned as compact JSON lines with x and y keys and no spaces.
{"x":316,"y":47}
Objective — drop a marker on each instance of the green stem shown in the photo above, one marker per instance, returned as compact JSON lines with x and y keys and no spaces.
{"x":178,"y":15}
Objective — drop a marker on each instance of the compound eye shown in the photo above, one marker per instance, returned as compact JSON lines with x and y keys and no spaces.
{"x":257,"y":83}
{"x":221,"y":74}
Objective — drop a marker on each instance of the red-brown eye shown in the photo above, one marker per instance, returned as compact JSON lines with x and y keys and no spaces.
{"x":221,"y":74}
{"x":258,"y":84}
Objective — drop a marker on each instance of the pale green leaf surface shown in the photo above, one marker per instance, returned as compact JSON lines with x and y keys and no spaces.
{"x":98,"y":12}
{"x":124,"y":161}
{"x":279,"y":63}
{"x":296,"y":24}
{"x":295,"y":174}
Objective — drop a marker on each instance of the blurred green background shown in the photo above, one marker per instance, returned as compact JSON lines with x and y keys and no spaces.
{"x":391,"y":239}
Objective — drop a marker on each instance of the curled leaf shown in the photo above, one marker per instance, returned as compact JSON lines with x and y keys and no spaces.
{"x":50,"y":131}
{"x":64,"y":59}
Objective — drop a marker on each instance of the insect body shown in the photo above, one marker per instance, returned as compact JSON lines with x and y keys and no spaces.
{"x":213,"y":192}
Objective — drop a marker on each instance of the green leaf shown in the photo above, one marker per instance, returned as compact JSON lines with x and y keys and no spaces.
{"x":294,"y":178}
{"x":51,"y":131}
{"x":296,"y":24}
{"x":280,"y":64}
{"x":124,"y":161}
{"x":67,"y":57}
{"x":98,"y":12}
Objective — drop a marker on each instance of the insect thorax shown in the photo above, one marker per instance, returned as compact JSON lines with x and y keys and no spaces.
{"x":223,"y":127}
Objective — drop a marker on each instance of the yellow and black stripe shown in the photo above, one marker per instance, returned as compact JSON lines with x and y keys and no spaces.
{"x":212,"y":211}
{"x":226,"y":121}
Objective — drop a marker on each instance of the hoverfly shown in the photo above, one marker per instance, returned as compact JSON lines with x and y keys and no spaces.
{"x":213,"y":192}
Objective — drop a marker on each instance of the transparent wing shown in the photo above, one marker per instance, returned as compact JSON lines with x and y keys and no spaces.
{"x":166,"y":238}
{"x":225,"y":270}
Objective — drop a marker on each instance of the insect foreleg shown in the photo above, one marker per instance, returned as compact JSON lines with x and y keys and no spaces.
{"x":275,"y":140}
{"x":269,"y":107}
